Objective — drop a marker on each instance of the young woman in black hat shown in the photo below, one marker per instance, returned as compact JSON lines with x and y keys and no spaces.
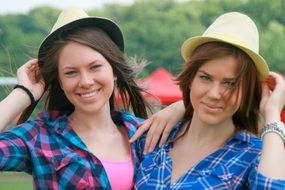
{"x":79,"y":141}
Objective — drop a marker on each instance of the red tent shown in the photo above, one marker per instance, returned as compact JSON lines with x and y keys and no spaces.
{"x":161,"y":85}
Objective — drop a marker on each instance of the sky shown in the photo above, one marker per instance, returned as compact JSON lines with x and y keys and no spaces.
{"x":23,"y":6}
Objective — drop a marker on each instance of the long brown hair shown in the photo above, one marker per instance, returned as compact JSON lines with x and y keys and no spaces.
{"x":98,"y":40}
{"x":247,"y":116}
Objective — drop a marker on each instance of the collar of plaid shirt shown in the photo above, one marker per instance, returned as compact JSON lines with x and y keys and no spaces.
{"x":50,"y":150}
{"x":230,"y":167}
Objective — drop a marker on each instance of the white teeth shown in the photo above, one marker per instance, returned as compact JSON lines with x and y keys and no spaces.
{"x":87,"y":95}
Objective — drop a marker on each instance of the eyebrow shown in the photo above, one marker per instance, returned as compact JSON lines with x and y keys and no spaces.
{"x":89,"y":64}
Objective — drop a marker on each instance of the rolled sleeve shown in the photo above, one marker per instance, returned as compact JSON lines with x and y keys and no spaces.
{"x":13,"y":153}
{"x":260,"y":182}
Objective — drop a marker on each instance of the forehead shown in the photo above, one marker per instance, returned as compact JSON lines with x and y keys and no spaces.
{"x":74,"y":53}
{"x":224,"y":66}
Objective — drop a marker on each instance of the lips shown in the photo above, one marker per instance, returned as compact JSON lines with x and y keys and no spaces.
{"x":88,"y":94}
{"x":212,"y":108}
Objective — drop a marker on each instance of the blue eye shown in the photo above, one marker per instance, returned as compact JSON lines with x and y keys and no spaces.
{"x":205,"y":77}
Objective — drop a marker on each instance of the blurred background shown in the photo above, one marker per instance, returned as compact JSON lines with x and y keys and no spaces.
{"x":153,"y":30}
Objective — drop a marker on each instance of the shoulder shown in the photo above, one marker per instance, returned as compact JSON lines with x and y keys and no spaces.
{"x":250,"y":139}
{"x":44,"y":122}
{"x":127,"y":119}
{"x":244,"y":144}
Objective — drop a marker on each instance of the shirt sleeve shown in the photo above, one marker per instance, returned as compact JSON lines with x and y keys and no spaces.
{"x":13,"y":153}
{"x":258,"y":181}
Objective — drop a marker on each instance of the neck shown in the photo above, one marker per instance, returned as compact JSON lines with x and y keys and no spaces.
{"x":203,"y":134}
{"x":98,"y":122}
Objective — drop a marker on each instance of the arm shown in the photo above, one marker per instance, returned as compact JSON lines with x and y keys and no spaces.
{"x":159,"y":125}
{"x":273,"y":153}
{"x":12,"y":106}
{"x":18,"y":100}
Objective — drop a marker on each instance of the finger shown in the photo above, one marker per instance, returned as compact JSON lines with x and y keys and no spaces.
{"x":279,"y":91}
{"x":270,"y":81}
{"x":265,"y":90}
{"x":146,"y":145}
{"x":149,"y":135}
{"x":153,"y":141}
{"x":154,"y":135}
{"x":141,"y":129}
{"x":30,"y":63}
{"x":165,"y":134}
{"x":278,"y":79}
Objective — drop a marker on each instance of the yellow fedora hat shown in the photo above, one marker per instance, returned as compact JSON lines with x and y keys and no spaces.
{"x":233,"y":28}
{"x":75,"y":17}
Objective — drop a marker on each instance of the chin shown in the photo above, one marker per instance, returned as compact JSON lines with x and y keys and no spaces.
{"x":211,"y":120}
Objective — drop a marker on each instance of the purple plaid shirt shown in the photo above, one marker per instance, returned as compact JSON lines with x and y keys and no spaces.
{"x":49,"y":150}
{"x":230,"y":167}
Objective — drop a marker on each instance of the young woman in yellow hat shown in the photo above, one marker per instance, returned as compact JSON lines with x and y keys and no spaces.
{"x":224,"y":90}
{"x":79,"y":141}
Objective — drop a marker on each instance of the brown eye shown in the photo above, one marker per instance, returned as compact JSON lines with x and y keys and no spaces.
{"x":229,"y":84}
{"x":95,"y":67}
{"x":70,"y":73}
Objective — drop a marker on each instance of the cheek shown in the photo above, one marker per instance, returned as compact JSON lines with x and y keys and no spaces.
{"x":235,"y":100}
{"x":66,"y":84}
{"x":193,"y":97}
{"x":107,"y":79}
{"x":60,"y":80}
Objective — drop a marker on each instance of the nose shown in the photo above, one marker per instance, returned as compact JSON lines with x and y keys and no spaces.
{"x":86,"y":80}
{"x":215,"y":91}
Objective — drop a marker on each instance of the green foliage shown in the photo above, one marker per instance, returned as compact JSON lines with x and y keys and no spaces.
{"x":153,"y":29}
{"x":16,"y":180}
{"x":20,"y":36}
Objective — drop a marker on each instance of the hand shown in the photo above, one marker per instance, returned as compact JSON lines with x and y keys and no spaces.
{"x":160,"y":125}
{"x":273,"y":97}
{"x":27,"y":76}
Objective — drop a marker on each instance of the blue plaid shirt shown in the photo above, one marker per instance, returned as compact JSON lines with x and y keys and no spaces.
{"x":234,"y":166}
{"x":49,"y":150}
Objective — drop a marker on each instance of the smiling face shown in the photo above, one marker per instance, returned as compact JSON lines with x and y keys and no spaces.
{"x":213,"y":94}
{"x":220,"y":63}
{"x":86,"y":78}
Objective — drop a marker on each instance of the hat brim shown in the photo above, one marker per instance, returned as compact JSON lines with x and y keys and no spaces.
{"x":111,"y":29}
{"x":192,"y":43}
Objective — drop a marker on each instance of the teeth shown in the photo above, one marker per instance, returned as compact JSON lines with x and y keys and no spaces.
{"x":87,"y":95}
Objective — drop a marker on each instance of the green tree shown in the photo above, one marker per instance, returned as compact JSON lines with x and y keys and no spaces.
{"x":153,"y":29}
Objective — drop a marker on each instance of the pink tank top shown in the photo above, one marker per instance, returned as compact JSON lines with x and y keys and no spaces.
{"x":120,"y":173}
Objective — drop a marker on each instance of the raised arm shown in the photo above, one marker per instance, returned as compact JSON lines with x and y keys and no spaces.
{"x":159,"y":125}
{"x":18,"y":99}
{"x":273,"y":153}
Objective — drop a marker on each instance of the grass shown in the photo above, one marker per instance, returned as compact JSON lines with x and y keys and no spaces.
{"x":15,"y":181}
